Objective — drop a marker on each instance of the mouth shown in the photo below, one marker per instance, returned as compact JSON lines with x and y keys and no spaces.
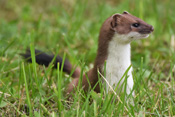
{"x":145,"y":35}
{"x":145,"y":32}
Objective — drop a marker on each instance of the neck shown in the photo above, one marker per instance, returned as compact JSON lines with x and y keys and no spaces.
{"x":119,"y":53}
{"x":117,"y":63}
{"x":118,"y":58}
{"x":113,"y":48}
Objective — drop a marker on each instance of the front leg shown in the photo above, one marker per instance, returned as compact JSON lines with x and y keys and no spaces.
{"x":130,"y":84}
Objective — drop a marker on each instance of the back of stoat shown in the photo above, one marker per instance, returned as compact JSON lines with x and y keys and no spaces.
{"x":113,"y":47}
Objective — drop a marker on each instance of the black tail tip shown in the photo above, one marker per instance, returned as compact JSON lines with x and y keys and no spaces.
{"x":26,"y":55}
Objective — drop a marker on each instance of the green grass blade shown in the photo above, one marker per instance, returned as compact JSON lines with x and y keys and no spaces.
{"x":27,"y":91}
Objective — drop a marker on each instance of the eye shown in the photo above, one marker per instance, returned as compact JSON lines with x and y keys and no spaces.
{"x":136,"y":25}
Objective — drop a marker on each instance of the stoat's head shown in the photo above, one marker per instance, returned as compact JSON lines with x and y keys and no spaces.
{"x":129,"y":27}
{"x":126,"y":27}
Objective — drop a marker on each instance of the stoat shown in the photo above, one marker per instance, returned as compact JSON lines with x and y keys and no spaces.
{"x":116,"y":34}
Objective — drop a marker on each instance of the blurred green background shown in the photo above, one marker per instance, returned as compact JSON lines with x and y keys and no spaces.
{"x":58,"y":23}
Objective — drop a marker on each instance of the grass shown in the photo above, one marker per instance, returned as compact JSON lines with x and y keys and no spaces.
{"x":72,"y":27}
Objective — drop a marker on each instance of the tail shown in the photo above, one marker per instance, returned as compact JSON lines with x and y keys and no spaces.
{"x":45,"y":59}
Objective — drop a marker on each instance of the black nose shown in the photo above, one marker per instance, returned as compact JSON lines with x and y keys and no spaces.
{"x":152,"y":28}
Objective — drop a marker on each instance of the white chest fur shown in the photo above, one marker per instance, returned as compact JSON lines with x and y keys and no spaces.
{"x":118,"y":61}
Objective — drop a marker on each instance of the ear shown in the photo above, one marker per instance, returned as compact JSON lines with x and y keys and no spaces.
{"x":125,"y":12}
{"x":115,"y":17}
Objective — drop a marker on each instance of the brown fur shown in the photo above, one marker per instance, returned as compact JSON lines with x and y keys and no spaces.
{"x":118,"y":23}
